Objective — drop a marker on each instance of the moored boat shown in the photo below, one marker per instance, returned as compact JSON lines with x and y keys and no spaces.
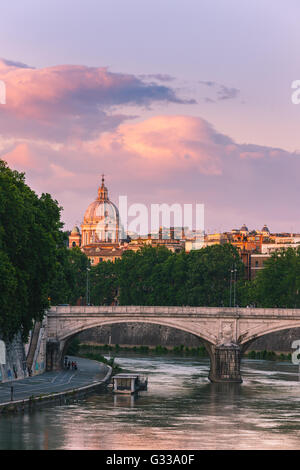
{"x":129,"y":383}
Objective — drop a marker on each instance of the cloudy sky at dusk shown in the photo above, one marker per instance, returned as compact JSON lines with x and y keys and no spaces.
{"x":175,"y":101}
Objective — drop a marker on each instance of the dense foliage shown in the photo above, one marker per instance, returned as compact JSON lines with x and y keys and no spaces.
{"x":278,"y":284}
{"x":156,"y":276}
{"x":35,"y":264}
{"x":69,"y":284}
{"x":29,"y":234}
{"x":104,"y":283}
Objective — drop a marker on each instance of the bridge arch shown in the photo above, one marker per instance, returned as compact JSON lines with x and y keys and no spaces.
{"x":205,"y":336}
{"x":71,"y":329}
{"x":67,"y":338}
{"x":263,"y":330}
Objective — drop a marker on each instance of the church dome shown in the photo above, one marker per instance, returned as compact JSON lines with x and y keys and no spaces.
{"x":102,"y":208}
{"x":103,"y":214}
{"x":265,"y":229}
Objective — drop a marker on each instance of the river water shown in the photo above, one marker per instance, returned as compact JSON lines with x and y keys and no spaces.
{"x":180,"y":410}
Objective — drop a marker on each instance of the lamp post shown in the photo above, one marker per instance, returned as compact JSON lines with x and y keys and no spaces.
{"x":233,"y":277}
{"x":230,"y":291}
{"x":87,"y":287}
{"x":234,"y":286}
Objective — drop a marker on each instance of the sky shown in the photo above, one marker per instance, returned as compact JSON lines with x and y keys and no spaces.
{"x":175,"y":101}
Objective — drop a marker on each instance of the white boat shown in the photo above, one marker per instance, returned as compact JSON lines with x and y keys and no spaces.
{"x":129,"y":383}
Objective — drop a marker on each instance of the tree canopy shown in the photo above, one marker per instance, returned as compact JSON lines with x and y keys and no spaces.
{"x":69,"y":283}
{"x":30,"y":230}
{"x":278,"y":284}
{"x":156,"y":276}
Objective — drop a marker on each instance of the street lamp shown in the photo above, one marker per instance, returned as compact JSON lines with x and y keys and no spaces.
{"x":233,"y":276}
{"x":230,"y":291}
{"x":234,"y":286}
{"x":87,"y":287}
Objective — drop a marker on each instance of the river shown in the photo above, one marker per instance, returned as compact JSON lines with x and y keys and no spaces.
{"x":180,"y":410}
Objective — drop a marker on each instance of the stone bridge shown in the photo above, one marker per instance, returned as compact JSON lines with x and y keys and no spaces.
{"x":226,"y":332}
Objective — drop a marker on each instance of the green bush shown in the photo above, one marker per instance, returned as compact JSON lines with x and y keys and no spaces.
{"x":74,"y":347}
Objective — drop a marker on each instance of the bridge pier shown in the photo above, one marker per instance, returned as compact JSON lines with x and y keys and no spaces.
{"x":54,"y":355}
{"x":225,"y":361}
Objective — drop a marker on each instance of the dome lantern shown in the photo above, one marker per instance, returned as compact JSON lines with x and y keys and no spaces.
{"x":102,"y":191}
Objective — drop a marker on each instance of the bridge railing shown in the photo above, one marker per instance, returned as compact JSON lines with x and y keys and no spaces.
{"x":175,"y":311}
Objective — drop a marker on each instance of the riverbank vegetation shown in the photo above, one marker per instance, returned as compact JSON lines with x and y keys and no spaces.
{"x":159,"y":349}
{"x":92,"y":350}
{"x":268,"y":355}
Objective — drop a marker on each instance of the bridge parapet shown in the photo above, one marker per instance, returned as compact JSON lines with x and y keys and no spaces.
{"x":184,"y":311}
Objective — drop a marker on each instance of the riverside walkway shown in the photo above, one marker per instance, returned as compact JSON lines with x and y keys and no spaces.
{"x":88,"y":373}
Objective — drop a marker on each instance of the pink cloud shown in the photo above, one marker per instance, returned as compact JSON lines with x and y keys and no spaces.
{"x":63,"y":126}
{"x":167,"y":143}
{"x":167,"y":159}
{"x":24,"y":157}
{"x":66,"y":100}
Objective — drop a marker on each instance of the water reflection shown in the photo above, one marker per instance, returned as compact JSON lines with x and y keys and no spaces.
{"x":181,"y":410}
{"x":125,"y":400}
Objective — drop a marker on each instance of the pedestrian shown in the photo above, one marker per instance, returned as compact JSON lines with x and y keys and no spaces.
{"x":69,"y":365}
{"x":66,"y":361}
{"x":75,"y":365}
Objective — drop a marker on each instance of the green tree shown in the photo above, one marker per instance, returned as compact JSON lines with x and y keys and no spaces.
{"x":104,"y":283}
{"x":29,"y":233}
{"x":69,"y":283}
{"x":156,"y":276}
{"x":140,"y":276}
{"x":278,"y":284}
{"x":208,"y":275}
